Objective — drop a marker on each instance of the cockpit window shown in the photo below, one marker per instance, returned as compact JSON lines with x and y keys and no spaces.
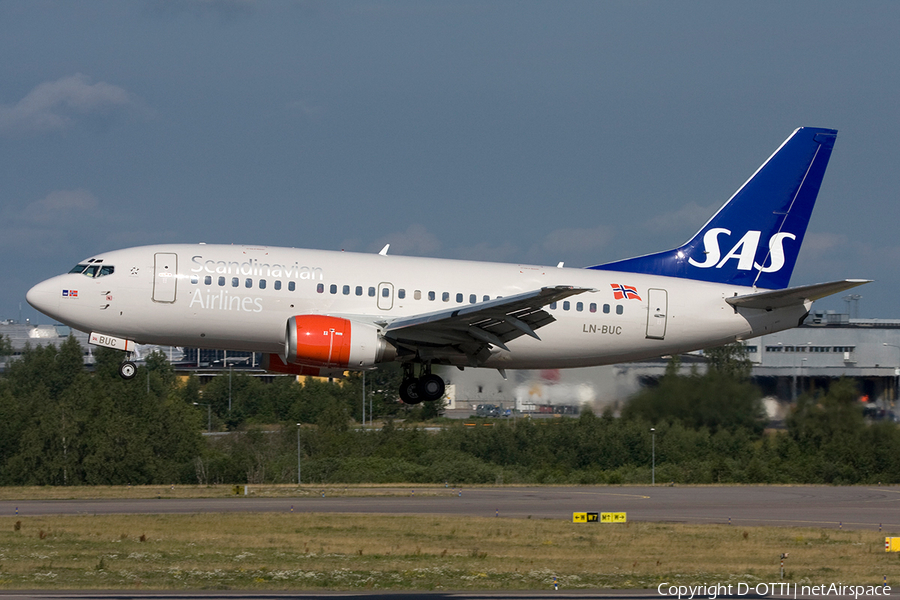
{"x":93,"y":270}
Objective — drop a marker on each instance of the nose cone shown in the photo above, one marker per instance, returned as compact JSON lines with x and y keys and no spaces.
{"x":45,"y":297}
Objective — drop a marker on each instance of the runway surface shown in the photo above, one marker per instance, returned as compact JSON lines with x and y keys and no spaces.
{"x":857,"y":507}
{"x":650,"y":594}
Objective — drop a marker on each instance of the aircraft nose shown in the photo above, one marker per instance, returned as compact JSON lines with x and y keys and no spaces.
{"x":44,"y":297}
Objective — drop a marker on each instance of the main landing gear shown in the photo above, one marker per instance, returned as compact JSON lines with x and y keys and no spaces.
{"x":427,"y":388}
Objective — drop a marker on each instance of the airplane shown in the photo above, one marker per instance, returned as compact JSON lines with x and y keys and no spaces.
{"x":321,"y":313}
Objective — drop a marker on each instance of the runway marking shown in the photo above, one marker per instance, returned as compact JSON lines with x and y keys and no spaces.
{"x":639,"y":496}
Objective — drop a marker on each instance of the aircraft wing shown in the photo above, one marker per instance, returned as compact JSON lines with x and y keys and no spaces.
{"x":469,"y":331}
{"x":793,"y":296}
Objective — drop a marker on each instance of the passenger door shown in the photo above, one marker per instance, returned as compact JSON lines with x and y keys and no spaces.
{"x":165,"y":280}
{"x":657,"y":307}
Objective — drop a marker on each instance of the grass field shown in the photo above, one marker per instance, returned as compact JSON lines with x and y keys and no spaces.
{"x":345,"y":552}
{"x":83,"y":492}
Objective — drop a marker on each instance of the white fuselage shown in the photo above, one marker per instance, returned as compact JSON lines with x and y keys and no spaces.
{"x":240,"y":298}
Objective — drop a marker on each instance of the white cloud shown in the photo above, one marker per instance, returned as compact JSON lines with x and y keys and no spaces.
{"x":55,"y":105}
{"x":572,"y":241}
{"x":506,"y":251}
{"x":62,"y":206}
{"x":51,"y":224}
{"x":689,"y":217}
{"x":415,"y":241}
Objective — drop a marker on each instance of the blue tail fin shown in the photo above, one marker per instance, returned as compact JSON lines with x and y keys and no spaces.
{"x":755,"y":237}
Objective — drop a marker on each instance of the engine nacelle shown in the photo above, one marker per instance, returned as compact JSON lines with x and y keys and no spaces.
{"x":333,"y":342}
{"x":274,"y":364}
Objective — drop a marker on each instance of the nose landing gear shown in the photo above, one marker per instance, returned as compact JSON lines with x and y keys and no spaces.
{"x":427,"y":388}
{"x":127,"y":370}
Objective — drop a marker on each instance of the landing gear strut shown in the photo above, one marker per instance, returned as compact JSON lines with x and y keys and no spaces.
{"x":427,"y":388}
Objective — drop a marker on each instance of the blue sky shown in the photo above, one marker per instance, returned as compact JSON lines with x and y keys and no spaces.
{"x":540,"y":132}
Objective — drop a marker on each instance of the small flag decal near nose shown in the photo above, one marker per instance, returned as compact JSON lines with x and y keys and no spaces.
{"x":624,"y":292}
{"x":70,"y":293}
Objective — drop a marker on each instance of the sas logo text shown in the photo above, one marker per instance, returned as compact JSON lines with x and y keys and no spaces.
{"x":744,"y":251}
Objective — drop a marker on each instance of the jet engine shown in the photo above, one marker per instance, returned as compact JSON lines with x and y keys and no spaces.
{"x":274,"y":364}
{"x":333,"y":342}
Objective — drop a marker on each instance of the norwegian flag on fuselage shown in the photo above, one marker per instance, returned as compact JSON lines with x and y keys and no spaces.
{"x":625,"y":292}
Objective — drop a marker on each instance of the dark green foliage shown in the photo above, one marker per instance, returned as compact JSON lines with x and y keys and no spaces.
{"x":723,"y":398}
{"x":5,"y":346}
{"x":64,"y":426}
{"x":61,"y":425}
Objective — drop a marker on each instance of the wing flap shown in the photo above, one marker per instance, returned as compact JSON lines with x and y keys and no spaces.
{"x":793,"y":296}
{"x":471,"y":330}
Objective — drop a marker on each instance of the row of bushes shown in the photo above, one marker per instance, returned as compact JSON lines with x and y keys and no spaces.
{"x":60,"y":425}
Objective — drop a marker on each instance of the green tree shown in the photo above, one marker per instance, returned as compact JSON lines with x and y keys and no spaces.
{"x":5,"y":346}
{"x":723,"y":397}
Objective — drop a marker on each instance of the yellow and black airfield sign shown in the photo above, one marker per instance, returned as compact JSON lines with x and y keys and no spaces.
{"x":612,"y":517}
{"x":585,"y":517}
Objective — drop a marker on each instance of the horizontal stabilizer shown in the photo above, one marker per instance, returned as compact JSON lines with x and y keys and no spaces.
{"x":793,"y":296}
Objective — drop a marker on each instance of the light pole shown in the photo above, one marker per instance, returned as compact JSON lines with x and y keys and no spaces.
{"x":803,"y":360}
{"x":298,"y":454}
{"x":897,"y":373}
{"x":208,"y":415}
{"x":653,"y":456}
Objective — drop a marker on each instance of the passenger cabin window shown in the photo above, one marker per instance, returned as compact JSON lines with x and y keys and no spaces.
{"x":262,"y":284}
{"x":292,"y":286}
{"x":371,"y":292}
{"x":431,"y":295}
{"x":320,"y":288}
{"x":473,"y":298}
{"x":619,"y":309}
{"x":248,"y":283}
{"x":417,"y":294}
{"x":333,"y":289}
{"x":207,"y":280}
{"x":401,"y":293}
{"x":459,"y":298}
{"x":345,"y":290}
{"x":221,"y":281}
{"x":485,"y":298}
{"x":566,"y":305}
{"x":579,"y":306}
{"x":606,"y":309}
{"x":277,"y":284}
{"x":195,"y":279}
{"x":235,"y":282}
{"x":359,"y":290}
{"x":593,"y":307}
{"x":553,"y":306}
{"x":385,"y":292}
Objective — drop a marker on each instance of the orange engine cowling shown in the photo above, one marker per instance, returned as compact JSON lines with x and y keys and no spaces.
{"x":274,"y":364}
{"x":333,"y":342}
